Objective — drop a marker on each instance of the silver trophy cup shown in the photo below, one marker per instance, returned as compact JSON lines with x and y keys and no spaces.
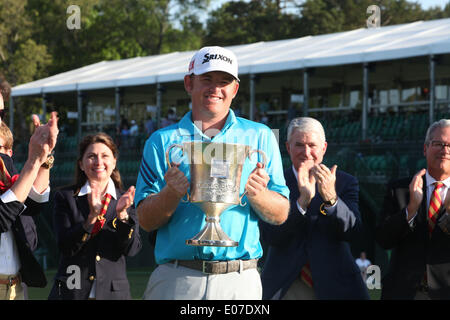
{"x":216,"y":170}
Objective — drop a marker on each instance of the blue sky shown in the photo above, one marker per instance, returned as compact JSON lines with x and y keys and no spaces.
{"x":432,"y":3}
{"x":425,"y":3}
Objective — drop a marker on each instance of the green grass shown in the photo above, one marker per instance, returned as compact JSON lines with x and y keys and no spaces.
{"x":137,"y":277}
{"x":375,"y":294}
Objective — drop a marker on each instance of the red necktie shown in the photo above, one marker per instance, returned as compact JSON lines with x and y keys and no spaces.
{"x":101,"y":216}
{"x":305,"y":275}
{"x":435,"y":205}
{"x":6,"y":181}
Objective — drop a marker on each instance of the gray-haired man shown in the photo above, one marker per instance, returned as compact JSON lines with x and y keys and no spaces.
{"x":312,"y":247}
{"x":414,"y":224}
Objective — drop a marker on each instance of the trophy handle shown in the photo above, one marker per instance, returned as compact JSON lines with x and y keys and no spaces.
{"x":262,"y":153}
{"x":264,"y":163}
{"x":168,"y":153}
{"x":170,"y":166}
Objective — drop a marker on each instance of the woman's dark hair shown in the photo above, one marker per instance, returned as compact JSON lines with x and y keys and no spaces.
{"x":100,"y":137}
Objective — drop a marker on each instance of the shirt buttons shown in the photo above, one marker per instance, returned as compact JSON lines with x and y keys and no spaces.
{"x":91,"y":278}
{"x":97,"y":258}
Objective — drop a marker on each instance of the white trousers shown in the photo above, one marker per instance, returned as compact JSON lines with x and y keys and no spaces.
{"x":172,"y":282}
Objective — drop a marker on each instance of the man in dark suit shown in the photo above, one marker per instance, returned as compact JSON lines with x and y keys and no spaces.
{"x":309,"y":255}
{"x":17,"y":228}
{"x":415,"y":225}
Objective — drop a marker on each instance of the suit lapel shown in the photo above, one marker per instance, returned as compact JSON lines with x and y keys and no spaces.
{"x":82,"y":205}
{"x":292,"y":184}
{"x":422,"y":214}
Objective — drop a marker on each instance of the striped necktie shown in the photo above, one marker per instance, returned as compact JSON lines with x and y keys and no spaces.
{"x":101,"y":216}
{"x":435,"y":206}
{"x":305,"y":275}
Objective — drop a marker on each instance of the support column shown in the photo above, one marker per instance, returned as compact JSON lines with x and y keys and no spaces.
{"x":432,"y":89}
{"x":159,"y":90}
{"x":11,"y":113}
{"x":79,"y":110}
{"x":117,"y":105}
{"x":251,"y":110}
{"x":365,"y":101}
{"x":44,"y":108}
{"x":305,"y":92}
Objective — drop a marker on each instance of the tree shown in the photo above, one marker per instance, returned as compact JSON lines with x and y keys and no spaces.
{"x":328,"y":16}
{"x":116,"y":29}
{"x":22,"y":59}
{"x":246,"y":22}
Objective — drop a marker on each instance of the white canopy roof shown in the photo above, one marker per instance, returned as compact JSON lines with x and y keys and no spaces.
{"x":356,"y":46}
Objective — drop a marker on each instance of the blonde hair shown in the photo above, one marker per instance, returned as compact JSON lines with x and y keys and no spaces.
{"x":7,"y":136}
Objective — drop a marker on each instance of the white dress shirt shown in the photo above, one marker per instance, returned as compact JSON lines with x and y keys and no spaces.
{"x":9,"y":256}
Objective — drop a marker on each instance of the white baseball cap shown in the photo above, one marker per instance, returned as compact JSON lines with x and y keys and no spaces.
{"x":214,"y":59}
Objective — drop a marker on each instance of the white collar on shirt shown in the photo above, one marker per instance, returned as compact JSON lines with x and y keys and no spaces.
{"x":430,"y":180}
{"x":111,"y":189}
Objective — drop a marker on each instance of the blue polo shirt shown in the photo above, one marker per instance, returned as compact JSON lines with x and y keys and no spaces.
{"x":240,"y":223}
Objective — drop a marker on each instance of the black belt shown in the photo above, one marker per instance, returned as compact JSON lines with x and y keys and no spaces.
{"x":218,"y":267}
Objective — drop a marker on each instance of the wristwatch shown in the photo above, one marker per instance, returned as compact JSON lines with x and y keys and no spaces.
{"x":49,"y":163}
{"x":124,"y":220}
{"x":331,"y":202}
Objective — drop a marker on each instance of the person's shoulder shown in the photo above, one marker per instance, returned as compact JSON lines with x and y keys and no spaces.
{"x":344,"y":175}
{"x":163,"y":134}
{"x":8,"y":161}
{"x":66,"y":190}
{"x":165,"y":130}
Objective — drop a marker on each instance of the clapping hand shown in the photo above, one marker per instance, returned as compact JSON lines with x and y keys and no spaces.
{"x":95,"y":205}
{"x":125,"y":201}
{"x":306,"y":185}
{"x":326,"y":181}
{"x":415,"y":193}
{"x":43,"y":139}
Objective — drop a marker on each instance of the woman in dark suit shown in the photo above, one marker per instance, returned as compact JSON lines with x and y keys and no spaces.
{"x":96,"y":226}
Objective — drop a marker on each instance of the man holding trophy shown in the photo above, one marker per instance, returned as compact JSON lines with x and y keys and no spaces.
{"x":204,"y":184}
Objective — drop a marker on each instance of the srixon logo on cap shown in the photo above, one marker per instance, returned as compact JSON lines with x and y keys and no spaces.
{"x":208,"y":57}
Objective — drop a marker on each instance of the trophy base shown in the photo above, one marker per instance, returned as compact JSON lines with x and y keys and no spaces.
{"x":212,"y":235}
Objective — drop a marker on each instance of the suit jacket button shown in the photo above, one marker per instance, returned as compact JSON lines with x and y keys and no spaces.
{"x":91,"y":278}
{"x":97,"y":258}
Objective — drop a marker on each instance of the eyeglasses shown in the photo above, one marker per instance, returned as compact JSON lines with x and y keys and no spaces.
{"x":439,"y":144}
{"x":2,"y":113}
